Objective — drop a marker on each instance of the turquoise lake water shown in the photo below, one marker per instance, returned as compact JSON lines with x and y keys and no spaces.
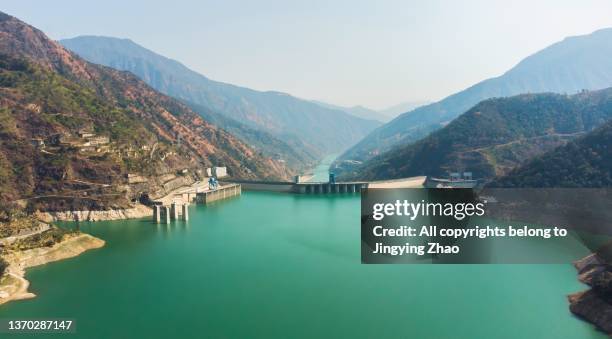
{"x":321,"y":172}
{"x":267,"y":265}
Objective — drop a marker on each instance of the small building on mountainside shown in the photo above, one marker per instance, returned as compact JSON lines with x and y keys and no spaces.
{"x":218,"y":172}
{"x":134,"y":178}
{"x":98,"y":140}
{"x":38,"y":143}
{"x":85,"y":134}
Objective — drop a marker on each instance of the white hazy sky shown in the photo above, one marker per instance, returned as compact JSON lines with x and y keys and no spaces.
{"x":373,"y":53}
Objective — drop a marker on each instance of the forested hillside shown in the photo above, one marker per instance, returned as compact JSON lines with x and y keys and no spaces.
{"x":495,"y":136}
{"x":585,"y":162}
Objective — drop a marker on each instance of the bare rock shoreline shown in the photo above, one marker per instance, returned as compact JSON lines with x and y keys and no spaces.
{"x":13,"y":285}
{"x":138,"y":211}
{"x":595,"y":304}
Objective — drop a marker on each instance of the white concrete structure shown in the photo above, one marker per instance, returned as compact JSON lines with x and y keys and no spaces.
{"x":219,"y":172}
{"x":157,"y":214}
{"x":185,"y":212}
{"x":175,"y":211}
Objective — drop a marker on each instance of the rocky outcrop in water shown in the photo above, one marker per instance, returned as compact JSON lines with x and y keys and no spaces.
{"x":595,"y":304}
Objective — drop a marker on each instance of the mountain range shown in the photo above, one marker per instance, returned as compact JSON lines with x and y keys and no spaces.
{"x":395,"y":110}
{"x":383,"y":115}
{"x":295,"y":154}
{"x":569,"y":66}
{"x":358,"y":111}
{"x":80,"y":135}
{"x":496,"y":136}
{"x":318,"y":130}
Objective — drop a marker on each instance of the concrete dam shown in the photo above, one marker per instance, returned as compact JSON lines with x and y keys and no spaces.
{"x":175,"y":206}
{"x":303,"y":187}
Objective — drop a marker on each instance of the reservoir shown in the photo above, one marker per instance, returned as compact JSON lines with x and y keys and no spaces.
{"x":269,"y":265}
{"x":321,"y":172}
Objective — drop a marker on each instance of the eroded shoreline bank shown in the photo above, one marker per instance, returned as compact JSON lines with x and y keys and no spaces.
{"x":138,"y":211}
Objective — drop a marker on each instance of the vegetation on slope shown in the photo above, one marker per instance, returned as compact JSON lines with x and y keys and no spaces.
{"x":296,"y":154}
{"x":496,"y":136}
{"x":585,"y":162}
{"x":49,"y":97}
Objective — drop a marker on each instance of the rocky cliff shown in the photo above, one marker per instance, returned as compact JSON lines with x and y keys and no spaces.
{"x":595,"y":304}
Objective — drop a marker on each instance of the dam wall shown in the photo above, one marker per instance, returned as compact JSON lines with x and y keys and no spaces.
{"x":223,"y":192}
{"x":303,"y":187}
{"x":266,"y":186}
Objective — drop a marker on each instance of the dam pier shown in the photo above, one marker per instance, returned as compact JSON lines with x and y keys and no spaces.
{"x":176,"y":206}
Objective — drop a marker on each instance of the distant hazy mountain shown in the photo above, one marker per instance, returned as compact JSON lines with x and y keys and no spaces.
{"x":576,"y":63}
{"x":393,"y":111}
{"x":280,"y":114}
{"x":496,"y":136}
{"x":291,"y":150}
{"x":384,"y":115}
{"x":358,"y":111}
